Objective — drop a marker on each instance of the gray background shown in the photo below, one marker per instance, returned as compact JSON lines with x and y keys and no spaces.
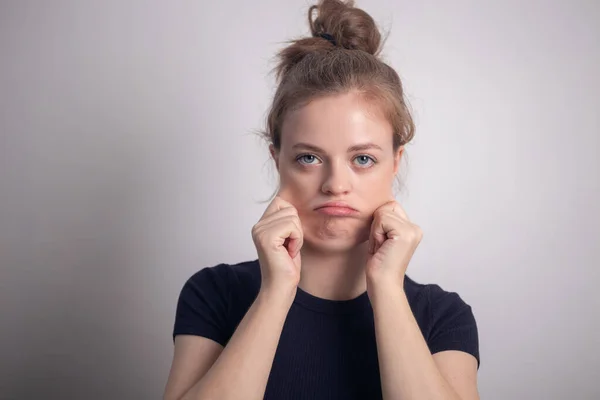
{"x":128,"y":162}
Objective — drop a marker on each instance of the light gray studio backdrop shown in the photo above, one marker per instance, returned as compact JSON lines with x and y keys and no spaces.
{"x":128,"y":162}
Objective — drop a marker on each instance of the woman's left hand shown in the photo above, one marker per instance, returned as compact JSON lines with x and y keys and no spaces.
{"x":392,"y":243}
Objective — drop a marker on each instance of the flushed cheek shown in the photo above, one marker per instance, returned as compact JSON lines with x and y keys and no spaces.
{"x":370,"y":190}
{"x":297,"y":195}
{"x":373,"y":191}
{"x":377,"y":180}
{"x":299,"y":186}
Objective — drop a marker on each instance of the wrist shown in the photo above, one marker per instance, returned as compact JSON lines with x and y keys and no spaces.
{"x":280,"y":295}
{"x":379,"y":290}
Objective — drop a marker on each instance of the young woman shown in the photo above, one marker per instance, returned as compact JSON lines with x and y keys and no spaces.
{"x":327,"y":311}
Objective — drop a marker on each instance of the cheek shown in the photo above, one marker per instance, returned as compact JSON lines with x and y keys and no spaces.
{"x":297,"y":187}
{"x":379,"y":182}
{"x":375,"y":190}
{"x":292,"y":174}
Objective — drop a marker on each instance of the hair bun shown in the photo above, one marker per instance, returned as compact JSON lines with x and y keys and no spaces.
{"x":349,"y":27}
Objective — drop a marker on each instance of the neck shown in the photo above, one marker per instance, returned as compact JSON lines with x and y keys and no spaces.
{"x":334,"y":276}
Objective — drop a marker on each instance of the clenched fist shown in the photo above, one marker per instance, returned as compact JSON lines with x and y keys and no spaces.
{"x":278,"y":239}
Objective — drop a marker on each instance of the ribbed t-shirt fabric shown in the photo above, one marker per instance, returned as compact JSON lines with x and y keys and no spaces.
{"x":327,"y":349}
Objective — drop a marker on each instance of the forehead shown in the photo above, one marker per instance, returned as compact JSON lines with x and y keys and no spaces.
{"x":337,"y":121}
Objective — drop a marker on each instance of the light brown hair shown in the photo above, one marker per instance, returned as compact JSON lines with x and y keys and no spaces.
{"x":347,"y":60}
{"x":315,"y":66}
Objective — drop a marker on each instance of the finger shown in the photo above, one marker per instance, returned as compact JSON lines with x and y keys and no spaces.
{"x":288,"y":219}
{"x":386,"y":225}
{"x":398,"y":209}
{"x":276,"y":204}
{"x":395,"y":207}
{"x":284,"y":212}
{"x":371,"y":241}
{"x":371,"y":237}
{"x":288,"y":230}
{"x":294,"y":246}
{"x":377,"y":236}
{"x":272,"y":222}
{"x":387,"y":206}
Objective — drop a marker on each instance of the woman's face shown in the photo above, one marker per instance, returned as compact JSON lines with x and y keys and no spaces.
{"x":336,"y":148}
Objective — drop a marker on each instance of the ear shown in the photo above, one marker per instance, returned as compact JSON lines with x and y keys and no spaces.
{"x":397,"y":157}
{"x":274,"y":155}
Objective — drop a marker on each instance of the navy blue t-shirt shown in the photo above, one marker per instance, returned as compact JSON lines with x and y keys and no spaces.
{"x":327,"y":349}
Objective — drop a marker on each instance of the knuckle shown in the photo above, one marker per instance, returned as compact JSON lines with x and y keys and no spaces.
{"x":257,"y":227}
{"x":272,"y":246}
{"x":260,"y":236}
{"x":290,"y":211}
{"x":417,"y":232}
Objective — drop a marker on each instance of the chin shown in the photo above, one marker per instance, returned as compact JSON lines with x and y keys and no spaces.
{"x":334,"y":244}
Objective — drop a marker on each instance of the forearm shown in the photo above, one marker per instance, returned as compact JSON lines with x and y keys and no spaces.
{"x":242,"y":369}
{"x":406,"y":365}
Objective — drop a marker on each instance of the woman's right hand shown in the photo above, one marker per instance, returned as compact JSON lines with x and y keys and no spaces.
{"x":278,"y":239}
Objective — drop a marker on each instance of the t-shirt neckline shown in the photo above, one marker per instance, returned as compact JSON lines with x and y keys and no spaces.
{"x":327,"y":306}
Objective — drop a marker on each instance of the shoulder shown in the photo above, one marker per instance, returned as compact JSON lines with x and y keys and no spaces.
{"x":432,"y":296}
{"x":241,"y":279}
{"x":446,"y":320}
{"x":228,"y":274}
{"x":235,"y":283}
{"x":214,"y":299}
{"x":245,"y":274}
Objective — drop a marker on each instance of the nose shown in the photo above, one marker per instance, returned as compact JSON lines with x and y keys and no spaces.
{"x":337,"y":180}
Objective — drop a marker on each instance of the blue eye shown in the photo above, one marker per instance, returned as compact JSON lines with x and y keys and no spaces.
{"x":307,"y":159}
{"x":364,"y":160}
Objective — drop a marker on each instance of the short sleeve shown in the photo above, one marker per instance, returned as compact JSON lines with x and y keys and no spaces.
{"x":202,"y":308}
{"x":453,"y":325}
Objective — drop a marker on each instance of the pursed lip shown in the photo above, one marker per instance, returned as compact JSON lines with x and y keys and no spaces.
{"x":336,"y":204}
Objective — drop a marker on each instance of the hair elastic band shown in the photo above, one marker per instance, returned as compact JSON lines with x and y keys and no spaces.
{"x":328,"y":37}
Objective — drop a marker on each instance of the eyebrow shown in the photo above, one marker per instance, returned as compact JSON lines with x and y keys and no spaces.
{"x":357,"y":147}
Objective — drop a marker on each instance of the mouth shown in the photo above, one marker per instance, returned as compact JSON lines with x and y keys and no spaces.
{"x":337,"y":209}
